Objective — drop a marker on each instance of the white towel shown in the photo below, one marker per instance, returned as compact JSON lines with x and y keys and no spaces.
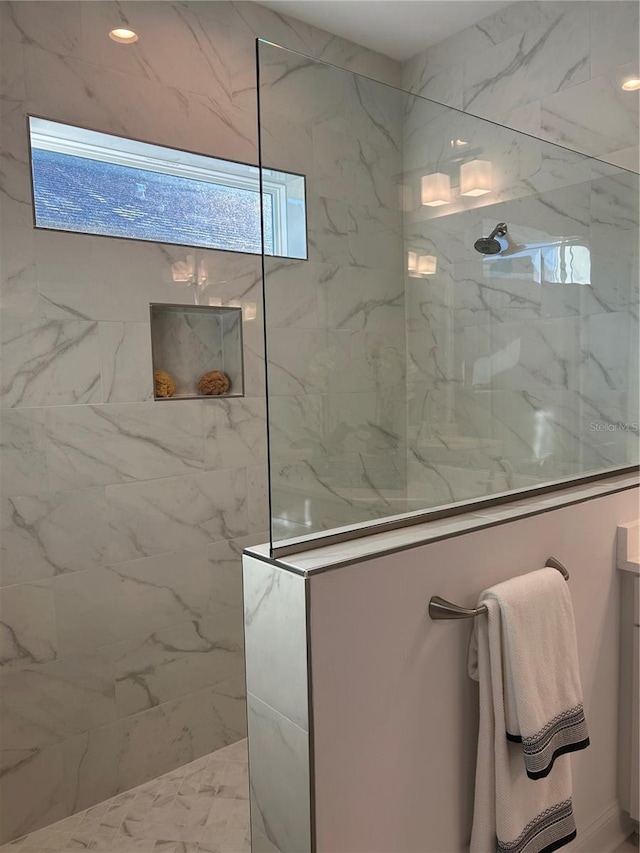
{"x":524,"y":654}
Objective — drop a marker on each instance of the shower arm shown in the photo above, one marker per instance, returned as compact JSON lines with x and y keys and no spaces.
{"x":499,"y":231}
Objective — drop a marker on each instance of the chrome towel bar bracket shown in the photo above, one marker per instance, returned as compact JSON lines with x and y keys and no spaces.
{"x":440,"y":608}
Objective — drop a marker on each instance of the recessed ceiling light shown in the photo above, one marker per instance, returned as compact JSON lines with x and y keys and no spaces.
{"x":123,"y":36}
{"x":631,"y":84}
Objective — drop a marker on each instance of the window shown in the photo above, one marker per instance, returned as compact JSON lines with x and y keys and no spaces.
{"x":97,"y":183}
{"x":556,"y":261}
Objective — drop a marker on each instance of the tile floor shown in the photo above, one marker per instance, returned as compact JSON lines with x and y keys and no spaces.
{"x":629,"y":846}
{"x":202,"y":807}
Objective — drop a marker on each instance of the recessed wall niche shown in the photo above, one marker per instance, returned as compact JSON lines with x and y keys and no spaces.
{"x":189,"y":341}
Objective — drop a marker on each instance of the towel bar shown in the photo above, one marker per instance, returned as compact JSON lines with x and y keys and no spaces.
{"x":440,"y":608}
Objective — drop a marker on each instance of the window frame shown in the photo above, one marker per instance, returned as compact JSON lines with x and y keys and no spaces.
{"x":234,"y":178}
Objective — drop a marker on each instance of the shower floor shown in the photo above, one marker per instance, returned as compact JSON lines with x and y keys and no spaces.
{"x":202,"y":807}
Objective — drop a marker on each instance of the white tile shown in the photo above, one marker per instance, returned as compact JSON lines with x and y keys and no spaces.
{"x":27,"y":616}
{"x":225,"y":570}
{"x":30,"y":791}
{"x":12,"y":63}
{"x":440,"y":83}
{"x":303,"y":361}
{"x":80,"y":92}
{"x":48,"y":703}
{"x":291,"y":291}
{"x":15,"y":191}
{"x":119,"y":443}
{"x":18,"y":286}
{"x":297,"y":427}
{"x":235,"y":432}
{"x":257,"y":498}
{"x":156,"y":738}
{"x":177,"y":49}
{"x":62,"y":366}
{"x":538,"y":61}
{"x":53,"y":533}
{"x":608,"y":352}
{"x":159,"y":516}
{"x":48,"y":28}
{"x":620,"y":29}
{"x":279,"y":754}
{"x":114,"y":603}
{"x":327,"y":230}
{"x":154,"y":668}
{"x":596,"y":117}
{"x":22,"y":452}
{"x":90,"y":763}
{"x":127,"y":371}
{"x":275,"y":637}
{"x":156,"y":815}
{"x":261,"y":843}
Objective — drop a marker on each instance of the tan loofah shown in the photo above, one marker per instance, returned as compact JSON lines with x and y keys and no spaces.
{"x":214,"y":382}
{"x":165,"y":386}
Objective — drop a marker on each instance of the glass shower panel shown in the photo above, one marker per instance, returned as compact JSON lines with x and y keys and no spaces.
{"x":408,"y":367}
{"x":336,"y":322}
{"x":523,"y":363}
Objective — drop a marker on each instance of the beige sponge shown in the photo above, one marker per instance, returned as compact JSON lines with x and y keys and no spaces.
{"x":214,"y":382}
{"x":165,"y":386}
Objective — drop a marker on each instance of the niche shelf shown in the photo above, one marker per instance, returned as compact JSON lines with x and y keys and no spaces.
{"x":189,"y":340}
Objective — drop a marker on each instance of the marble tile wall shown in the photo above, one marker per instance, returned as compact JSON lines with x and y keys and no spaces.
{"x":275,"y":623}
{"x":503,"y":372}
{"x":200,"y":807}
{"x":123,"y":520}
{"x":514,"y":375}
{"x":336,"y":325}
{"x":551,"y":68}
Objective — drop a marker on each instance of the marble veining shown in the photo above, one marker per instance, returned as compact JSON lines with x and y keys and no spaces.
{"x":234,"y":433}
{"x":52,"y":533}
{"x":606,"y":126}
{"x":107,"y":759}
{"x":545,"y":69}
{"x":124,"y":344}
{"x":62,"y":365}
{"x":27,"y":626}
{"x":275,"y":632}
{"x":201,"y":807}
{"x":101,"y":606}
{"x":124,"y":519}
{"x":279,"y":784}
{"x":152,"y":669}
{"x":498,"y":71}
{"x":98,"y":445}
{"x":153,"y":517}
{"x":70,"y":697}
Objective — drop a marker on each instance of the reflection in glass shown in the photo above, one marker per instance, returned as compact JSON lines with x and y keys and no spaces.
{"x":406,"y":369}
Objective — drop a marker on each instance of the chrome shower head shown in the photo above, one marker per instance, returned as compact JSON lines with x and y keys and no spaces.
{"x":489,"y":245}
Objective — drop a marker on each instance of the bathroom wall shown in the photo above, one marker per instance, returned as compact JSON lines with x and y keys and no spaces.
{"x":394,"y":711}
{"x":519,"y":374}
{"x":512,"y":378}
{"x":336,"y":324}
{"x":547,"y":67}
{"x":123,"y":518}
